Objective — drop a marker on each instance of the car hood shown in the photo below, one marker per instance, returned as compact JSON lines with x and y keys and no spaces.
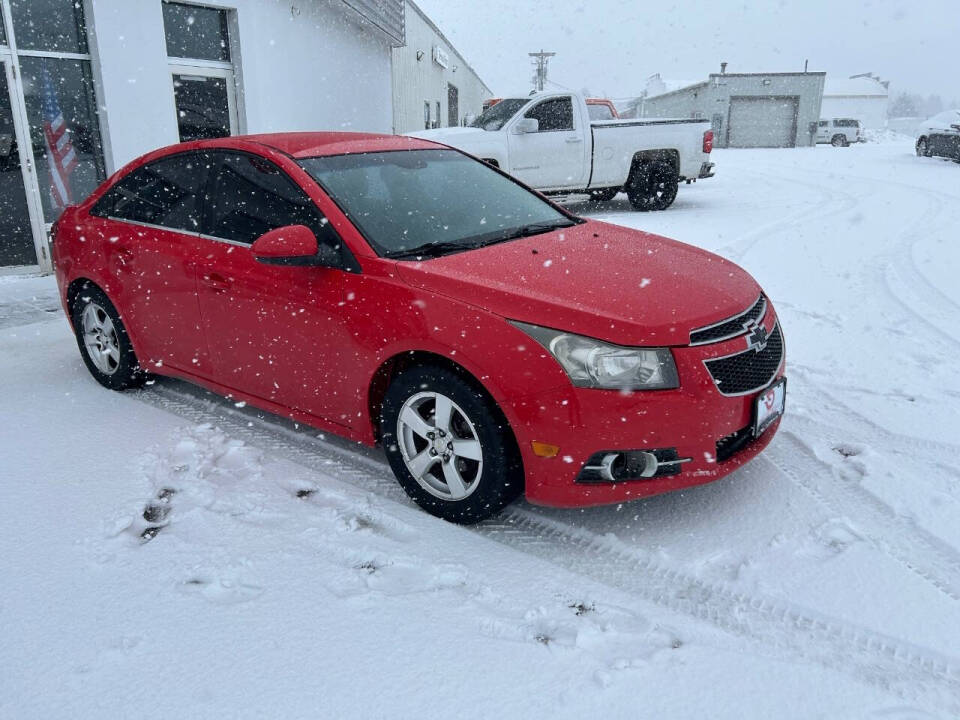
{"x":604,"y":281}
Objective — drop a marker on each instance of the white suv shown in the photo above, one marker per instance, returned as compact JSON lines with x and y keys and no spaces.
{"x":840,"y":132}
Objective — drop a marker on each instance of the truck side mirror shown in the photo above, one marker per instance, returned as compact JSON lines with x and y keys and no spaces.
{"x":526,"y":125}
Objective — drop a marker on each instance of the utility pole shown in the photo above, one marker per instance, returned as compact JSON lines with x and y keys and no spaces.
{"x":540,"y":59}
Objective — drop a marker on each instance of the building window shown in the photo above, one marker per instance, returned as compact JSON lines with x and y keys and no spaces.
{"x":202,"y":74}
{"x":65,"y":134}
{"x":50,"y":25}
{"x":436,"y":118}
{"x":426,"y":115}
{"x":196,"y":32}
{"x":60,"y":100}
{"x":48,"y":83}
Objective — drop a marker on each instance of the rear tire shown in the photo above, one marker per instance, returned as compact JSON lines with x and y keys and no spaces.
{"x":103,"y":341}
{"x":653,"y":185}
{"x":449,"y":445}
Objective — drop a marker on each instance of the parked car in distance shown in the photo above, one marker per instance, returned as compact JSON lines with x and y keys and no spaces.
{"x":549,"y":141}
{"x":940,"y":136}
{"x":840,"y":132}
{"x":395,"y":291}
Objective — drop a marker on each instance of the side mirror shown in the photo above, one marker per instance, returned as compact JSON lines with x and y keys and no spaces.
{"x":526,"y":125}
{"x":293,"y":245}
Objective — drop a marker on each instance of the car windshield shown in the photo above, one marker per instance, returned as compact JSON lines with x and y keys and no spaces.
{"x":495,"y":116}
{"x":430,"y":202}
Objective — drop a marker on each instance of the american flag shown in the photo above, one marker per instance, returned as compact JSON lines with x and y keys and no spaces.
{"x":61,"y":157}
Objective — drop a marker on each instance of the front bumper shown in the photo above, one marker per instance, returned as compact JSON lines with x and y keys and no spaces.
{"x":695,"y":419}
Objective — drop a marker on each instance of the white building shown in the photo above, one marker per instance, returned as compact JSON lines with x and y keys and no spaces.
{"x":862,"y":97}
{"x":433,"y":84}
{"x":87,"y":85}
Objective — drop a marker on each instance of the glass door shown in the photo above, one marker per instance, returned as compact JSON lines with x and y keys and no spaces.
{"x":17,"y":245}
{"x":205,"y":102}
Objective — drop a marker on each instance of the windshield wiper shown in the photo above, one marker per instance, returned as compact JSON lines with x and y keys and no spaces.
{"x":432,"y":249}
{"x":531,"y":229}
{"x":435,"y":249}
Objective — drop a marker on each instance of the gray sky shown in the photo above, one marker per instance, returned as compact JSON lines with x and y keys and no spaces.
{"x":611,"y":47}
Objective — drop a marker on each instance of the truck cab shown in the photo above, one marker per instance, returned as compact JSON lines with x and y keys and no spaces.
{"x":551,"y":143}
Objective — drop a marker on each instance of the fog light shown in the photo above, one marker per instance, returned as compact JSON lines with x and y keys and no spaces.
{"x":613,"y":466}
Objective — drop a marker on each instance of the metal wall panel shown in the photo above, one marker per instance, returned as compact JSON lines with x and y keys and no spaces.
{"x":387,"y":15}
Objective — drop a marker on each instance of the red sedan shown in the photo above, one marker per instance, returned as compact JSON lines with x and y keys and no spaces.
{"x":395,"y":291}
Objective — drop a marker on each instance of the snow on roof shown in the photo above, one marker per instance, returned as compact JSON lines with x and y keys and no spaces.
{"x":862,"y":86}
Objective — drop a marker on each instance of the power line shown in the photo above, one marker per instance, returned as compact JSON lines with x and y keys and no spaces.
{"x":540,"y":60}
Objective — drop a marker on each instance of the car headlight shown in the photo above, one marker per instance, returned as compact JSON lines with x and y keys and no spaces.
{"x":595,"y":364}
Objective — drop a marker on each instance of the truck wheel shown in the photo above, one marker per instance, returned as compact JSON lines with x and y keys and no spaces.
{"x":449,"y":445}
{"x":653,"y":185}
{"x":922,"y":150}
{"x":839,"y":141}
{"x":604,"y":195}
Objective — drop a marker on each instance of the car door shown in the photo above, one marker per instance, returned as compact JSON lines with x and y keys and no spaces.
{"x":943,"y":139}
{"x":276,"y":332}
{"x":555,"y":155}
{"x":149,"y":222}
{"x":823,"y":131}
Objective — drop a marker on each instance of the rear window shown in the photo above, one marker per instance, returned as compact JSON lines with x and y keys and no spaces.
{"x":844,"y":122}
{"x":161,"y":193}
{"x":599,"y":112}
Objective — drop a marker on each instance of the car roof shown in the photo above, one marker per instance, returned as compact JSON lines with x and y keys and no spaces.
{"x":314,"y":144}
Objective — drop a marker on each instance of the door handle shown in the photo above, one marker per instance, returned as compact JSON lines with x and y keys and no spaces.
{"x":218,"y":283}
{"x":574,"y":140}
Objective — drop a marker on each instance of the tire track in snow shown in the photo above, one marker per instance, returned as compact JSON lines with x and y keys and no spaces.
{"x":910,"y":671}
{"x":899,"y":274}
{"x":916,"y":549}
{"x":739,"y":247}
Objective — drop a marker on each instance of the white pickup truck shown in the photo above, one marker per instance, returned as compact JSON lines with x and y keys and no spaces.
{"x":548,"y":141}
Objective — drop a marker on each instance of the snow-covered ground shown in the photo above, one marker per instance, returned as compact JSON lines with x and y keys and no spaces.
{"x":293,"y":579}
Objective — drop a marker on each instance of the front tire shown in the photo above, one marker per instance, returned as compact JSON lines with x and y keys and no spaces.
{"x":923,"y":150}
{"x":653,"y":186}
{"x":839,"y":141}
{"x":103,"y":341}
{"x":449,"y":445}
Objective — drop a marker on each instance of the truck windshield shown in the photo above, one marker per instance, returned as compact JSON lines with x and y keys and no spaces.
{"x":430,"y":202}
{"x":495,"y":116}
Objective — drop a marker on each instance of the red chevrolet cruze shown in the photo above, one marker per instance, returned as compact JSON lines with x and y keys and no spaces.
{"x":396,"y":291}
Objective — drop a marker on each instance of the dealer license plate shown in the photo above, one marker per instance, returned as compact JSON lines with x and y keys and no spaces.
{"x":769,"y":406}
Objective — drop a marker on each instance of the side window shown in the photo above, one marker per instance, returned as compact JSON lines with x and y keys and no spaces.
{"x":251,"y":196}
{"x":161,"y":193}
{"x":553,"y":114}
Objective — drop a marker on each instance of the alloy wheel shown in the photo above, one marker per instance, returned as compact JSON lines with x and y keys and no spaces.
{"x":440,"y":446}
{"x":100,"y":339}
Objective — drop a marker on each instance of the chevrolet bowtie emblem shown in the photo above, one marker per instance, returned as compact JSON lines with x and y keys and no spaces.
{"x":756,"y":337}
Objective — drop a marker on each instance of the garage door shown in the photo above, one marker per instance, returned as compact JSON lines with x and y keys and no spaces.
{"x":763,"y":122}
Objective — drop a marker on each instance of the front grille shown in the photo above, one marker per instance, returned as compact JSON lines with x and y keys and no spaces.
{"x":750,"y":370}
{"x":737,"y":325}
